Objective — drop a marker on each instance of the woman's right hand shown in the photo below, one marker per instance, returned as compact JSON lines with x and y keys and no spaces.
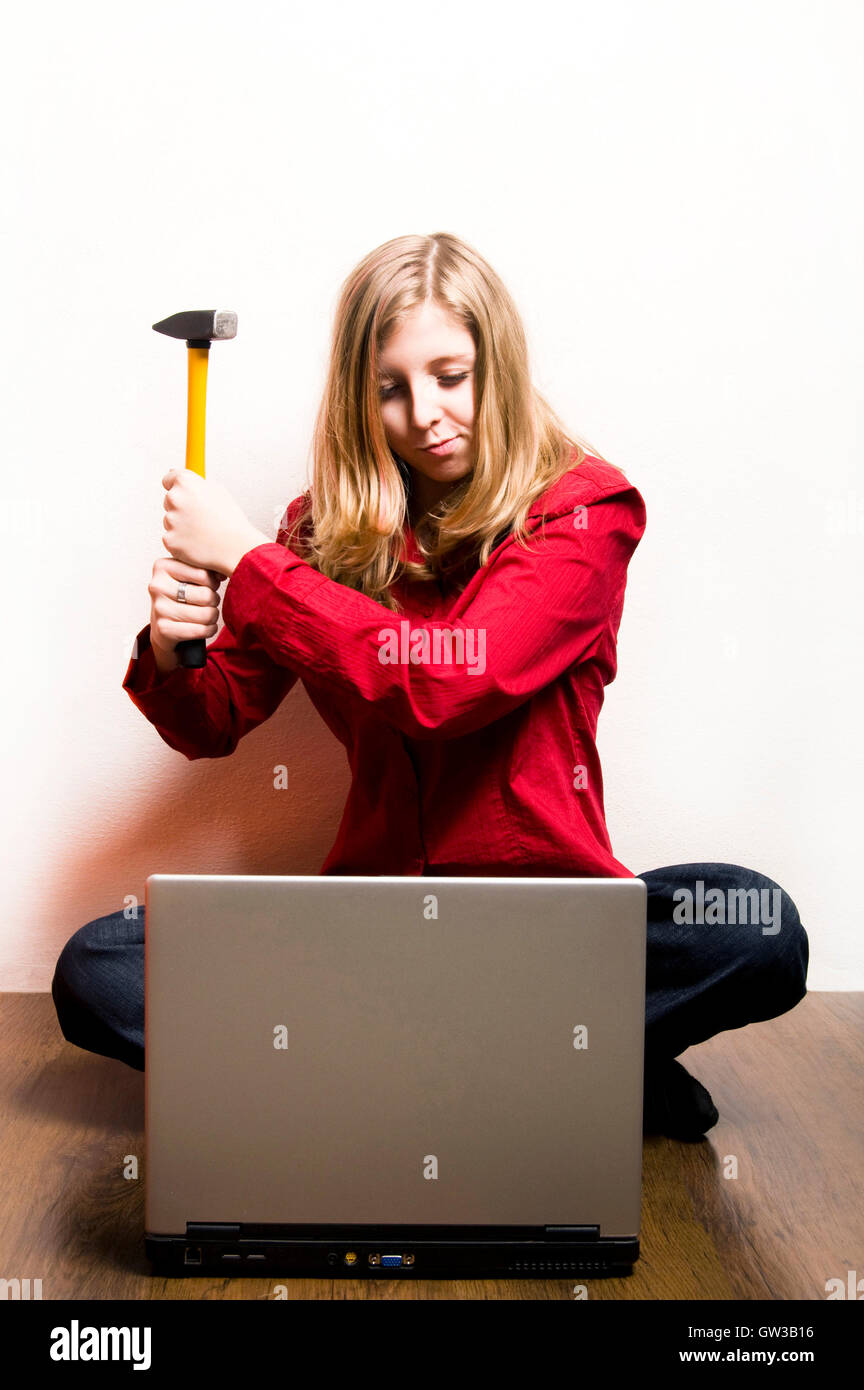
{"x":172,"y":622}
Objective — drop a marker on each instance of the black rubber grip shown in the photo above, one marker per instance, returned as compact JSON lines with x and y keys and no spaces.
{"x":192,"y":653}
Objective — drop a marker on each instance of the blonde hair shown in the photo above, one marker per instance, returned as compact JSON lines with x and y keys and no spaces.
{"x":356,"y":509}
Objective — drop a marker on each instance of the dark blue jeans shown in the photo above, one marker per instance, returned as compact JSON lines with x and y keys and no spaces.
{"x":725,"y":948}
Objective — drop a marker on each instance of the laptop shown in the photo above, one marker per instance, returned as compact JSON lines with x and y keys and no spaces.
{"x":369,"y":1076}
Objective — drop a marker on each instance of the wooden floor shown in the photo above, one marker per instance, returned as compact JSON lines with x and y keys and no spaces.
{"x":789,"y":1094}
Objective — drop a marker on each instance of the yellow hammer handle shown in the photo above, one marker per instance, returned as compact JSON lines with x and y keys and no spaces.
{"x":196,"y":408}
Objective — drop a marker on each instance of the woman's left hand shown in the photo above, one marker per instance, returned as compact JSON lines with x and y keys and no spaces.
{"x":203,"y":524}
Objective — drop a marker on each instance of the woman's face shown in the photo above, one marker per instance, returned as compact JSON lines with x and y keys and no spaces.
{"x":426,"y":390}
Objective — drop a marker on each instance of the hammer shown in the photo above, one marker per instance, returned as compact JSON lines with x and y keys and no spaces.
{"x":200,"y":327}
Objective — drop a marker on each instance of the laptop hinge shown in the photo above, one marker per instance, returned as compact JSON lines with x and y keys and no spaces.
{"x":213,"y":1230}
{"x":572,"y":1232}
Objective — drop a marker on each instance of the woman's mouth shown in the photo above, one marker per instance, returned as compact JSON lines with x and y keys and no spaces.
{"x":445,"y":447}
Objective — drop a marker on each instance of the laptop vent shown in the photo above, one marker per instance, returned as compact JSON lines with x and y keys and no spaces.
{"x":562,"y":1266}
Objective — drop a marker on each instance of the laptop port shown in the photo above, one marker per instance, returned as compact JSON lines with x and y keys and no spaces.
{"x":391,"y":1261}
{"x":192,"y":1255}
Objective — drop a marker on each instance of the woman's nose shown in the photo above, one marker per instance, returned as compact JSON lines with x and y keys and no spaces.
{"x":425,"y":407}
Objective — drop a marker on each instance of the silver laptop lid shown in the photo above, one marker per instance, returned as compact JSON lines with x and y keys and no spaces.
{"x":391,"y":1050}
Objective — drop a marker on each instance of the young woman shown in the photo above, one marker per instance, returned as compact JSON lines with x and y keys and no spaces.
{"x":449,"y":591}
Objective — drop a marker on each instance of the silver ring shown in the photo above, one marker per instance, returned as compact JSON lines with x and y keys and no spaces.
{"x":181,"y":594}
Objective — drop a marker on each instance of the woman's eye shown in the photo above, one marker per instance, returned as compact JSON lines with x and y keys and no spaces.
{"x":387,"y":391}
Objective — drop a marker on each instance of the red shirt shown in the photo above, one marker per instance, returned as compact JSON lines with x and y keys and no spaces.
{"x":463,"y":766}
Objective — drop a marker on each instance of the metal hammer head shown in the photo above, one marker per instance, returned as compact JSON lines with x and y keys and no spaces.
{"x":200,"y":327}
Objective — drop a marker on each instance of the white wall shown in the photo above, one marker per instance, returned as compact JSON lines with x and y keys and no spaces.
{"x":672,"y":192}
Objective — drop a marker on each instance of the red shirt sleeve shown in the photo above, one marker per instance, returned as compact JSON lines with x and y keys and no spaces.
{"x":530,"y":614}
{"x":204,"y":713}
